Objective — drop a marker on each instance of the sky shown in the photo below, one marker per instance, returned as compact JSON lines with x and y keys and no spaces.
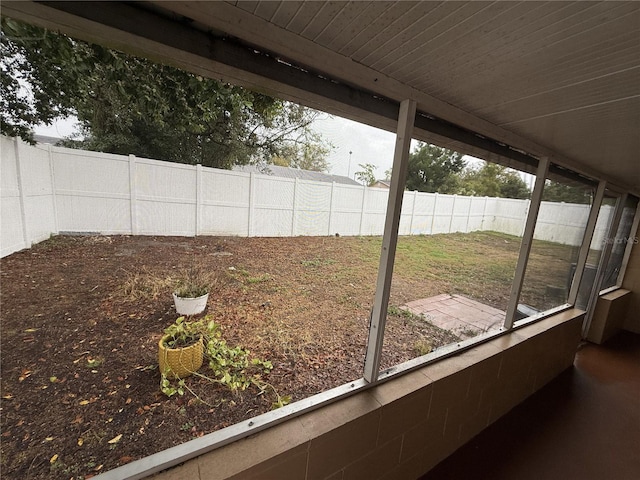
{"x":366,"y":144}
{"x":62,"y":127}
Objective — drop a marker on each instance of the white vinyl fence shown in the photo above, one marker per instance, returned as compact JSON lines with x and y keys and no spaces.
{"x":47,"y":190}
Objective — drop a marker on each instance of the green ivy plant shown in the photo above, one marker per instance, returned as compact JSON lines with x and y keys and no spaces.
{"x":231,"y":367}
{"x":183,"y":333}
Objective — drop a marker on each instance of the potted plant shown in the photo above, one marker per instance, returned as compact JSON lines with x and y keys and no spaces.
{"x":181,"y":348}
{"x":192,"y":292}
{"x":186,"y":344}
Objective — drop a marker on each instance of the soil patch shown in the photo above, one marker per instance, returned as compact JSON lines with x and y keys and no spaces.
{"x":80,"y":385}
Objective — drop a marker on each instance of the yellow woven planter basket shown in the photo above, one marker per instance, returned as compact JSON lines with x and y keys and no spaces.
{"x":180,"y":362}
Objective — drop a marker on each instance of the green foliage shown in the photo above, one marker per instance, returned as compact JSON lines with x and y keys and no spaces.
{"x":183,"y":333}
{"x":169,"y":388}
{"x":186,"y":426}
{"x":439,"y":170}
{"x":493,"y":180}
{"x":232,"y":367}
{"x":562,"y":192}
{"x":366,"y":176}
{"x":400,"y":312}
{"x":126,"y":104}
{"x":422,"y":347}
{"x":434,"y":169}
{"x":21,"y":63}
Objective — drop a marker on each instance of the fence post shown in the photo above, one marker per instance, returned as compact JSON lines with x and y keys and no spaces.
{"x":364,"y":202}
{"x":333,"y":187}
{"x":466,"y":227}
{"x":198,"y":199}
{"x":294,"y":211}
{"x":413,"y":212}
{"x":23,"y":207}
{"x":53,"y":190}
{"x":484,"y":212}
{"x":252,"y":186}
{"x":433,"y":214}
{"x":453,"y":212}
{"x":133,"y":194}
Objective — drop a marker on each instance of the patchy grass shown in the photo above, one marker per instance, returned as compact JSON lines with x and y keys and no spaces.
{"x":317,"y":262}
{"x":146,"y":285}
{"x":479,"y":265}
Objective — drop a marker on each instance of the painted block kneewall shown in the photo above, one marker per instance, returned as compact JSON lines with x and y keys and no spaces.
{"x":402,"y":428}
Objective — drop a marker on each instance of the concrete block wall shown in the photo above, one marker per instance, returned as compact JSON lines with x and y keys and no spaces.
{"x":632,"y":282}
{"x":404,"y":427}
{"x":609,"y":315}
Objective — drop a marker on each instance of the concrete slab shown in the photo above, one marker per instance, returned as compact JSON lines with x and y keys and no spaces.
{"x":461,"y":315}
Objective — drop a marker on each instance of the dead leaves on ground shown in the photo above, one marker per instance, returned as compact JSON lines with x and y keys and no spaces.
{"x":24,"y":375}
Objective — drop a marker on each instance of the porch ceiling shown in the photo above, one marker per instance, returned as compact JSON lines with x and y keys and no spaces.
{"x":549,"y":78}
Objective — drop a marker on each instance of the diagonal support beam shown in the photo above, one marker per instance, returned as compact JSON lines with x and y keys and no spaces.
{"x":527,"y":240}
{"x":586,"y":242}
{"x":406,"y":120}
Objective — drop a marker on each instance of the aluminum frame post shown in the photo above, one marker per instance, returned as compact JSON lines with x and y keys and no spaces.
{"x":377,"y":324}
{"x":602,"y":265}
{"x":527,"y":239}
{"x":586,"y":242}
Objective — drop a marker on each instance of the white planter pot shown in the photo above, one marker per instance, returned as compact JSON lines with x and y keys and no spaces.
{"x":190,"y":306}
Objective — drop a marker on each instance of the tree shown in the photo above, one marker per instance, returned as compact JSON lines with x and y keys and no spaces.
{"x":367,"y":175}
{"x":307,"y":152}
{"x":31,"y":91}
{"x":434,"y":169}
{"x":513,"y":186}
{"x":493,"y":180}
{"x":562,"y":192}
{"x":127,"y":104}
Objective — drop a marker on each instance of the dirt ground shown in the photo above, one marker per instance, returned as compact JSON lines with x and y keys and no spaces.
{"x":80,"y":384}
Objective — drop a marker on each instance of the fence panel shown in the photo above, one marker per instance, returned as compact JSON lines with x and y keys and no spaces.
{"x":38,"y":192}
{"x":507,"y":215}
{"x":92,"y":191}
{"x":273,"y":204}
{"x":165,"y":198}
{"x":347,"y":212}
{"x":571,"y":217}
{"x":225,"y":202}
{"x":477,"y":209}
{"x":423,"y":214}
{"x":59,"y":189}
{"x":442,"y":214}
{"x":460,"y":214}
{"x":312,"y":208}
{"x":374,"y":211}
{"x":11,"y":233}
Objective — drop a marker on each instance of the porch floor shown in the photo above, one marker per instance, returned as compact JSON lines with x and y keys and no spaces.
{"x":583,"y":425}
